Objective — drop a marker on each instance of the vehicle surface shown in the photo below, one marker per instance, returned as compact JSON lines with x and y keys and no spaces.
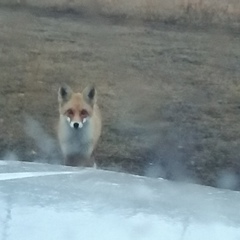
{"x":41,"y":201}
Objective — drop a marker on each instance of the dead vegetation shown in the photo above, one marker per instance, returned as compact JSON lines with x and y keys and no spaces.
{"x":172,"y":11}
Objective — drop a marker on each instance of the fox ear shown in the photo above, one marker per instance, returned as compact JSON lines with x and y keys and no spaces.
{"x":64,"y":93}
{"x":89,"y":94}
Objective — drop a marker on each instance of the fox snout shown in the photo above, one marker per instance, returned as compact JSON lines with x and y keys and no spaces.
{"x":76,"y":124}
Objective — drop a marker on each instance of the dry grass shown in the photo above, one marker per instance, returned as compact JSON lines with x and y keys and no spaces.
{"x":173,"y":11}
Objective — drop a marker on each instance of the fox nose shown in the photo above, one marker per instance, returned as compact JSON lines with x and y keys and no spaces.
{"x":76,"y":125}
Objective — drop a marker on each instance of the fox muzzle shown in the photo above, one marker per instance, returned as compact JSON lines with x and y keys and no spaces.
{"x":76,"y":124}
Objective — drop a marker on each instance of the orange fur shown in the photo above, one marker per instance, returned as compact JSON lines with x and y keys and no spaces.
{"x":79,"y":125}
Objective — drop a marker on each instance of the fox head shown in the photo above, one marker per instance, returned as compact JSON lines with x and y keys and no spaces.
{"x":76,"y":108}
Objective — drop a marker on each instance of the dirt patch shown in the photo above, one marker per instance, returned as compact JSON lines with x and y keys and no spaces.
{"x":169,"y":95}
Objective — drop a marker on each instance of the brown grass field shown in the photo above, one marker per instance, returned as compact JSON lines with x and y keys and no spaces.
{"x":171,"y":10}
{"x":168,"y":79}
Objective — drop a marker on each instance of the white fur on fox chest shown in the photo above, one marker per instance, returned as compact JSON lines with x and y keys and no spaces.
{"x":76,"y":141}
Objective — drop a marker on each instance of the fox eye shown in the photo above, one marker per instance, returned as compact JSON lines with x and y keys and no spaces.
{"x":70,"y":112}
{"x":84,"y":113}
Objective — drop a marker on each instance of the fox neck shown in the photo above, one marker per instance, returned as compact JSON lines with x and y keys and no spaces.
{"x":75,"y":141}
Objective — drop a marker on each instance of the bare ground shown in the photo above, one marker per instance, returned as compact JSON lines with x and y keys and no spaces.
{"x":169,"y":94}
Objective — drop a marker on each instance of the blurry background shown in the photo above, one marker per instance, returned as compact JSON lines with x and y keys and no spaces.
{"x":167,"y":74}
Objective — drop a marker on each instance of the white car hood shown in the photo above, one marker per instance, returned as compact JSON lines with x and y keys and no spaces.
{"x":41,"y":201}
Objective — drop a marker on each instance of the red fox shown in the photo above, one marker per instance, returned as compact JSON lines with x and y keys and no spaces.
{"x":79,"y":125}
